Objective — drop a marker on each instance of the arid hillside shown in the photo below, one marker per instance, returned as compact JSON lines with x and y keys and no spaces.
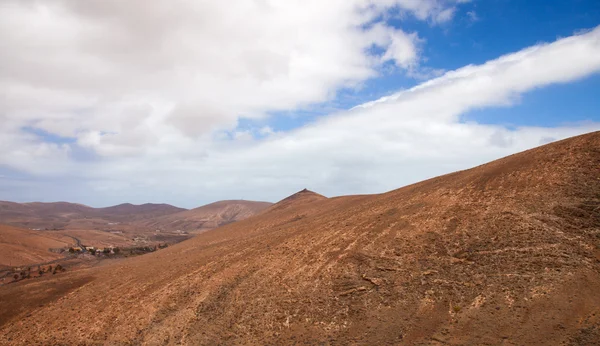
{"x":22,"y":246}
{"x":208,"y":216}
{"x":41,"y":215}
{"x":507,"y":253}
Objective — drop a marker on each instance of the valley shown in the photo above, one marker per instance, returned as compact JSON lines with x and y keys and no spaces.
{"x":77,"y":236}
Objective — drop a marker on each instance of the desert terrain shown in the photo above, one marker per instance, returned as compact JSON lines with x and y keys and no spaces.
{"x":507,"y":253}
{"x":208,"y":216}
{"x":124,"y":224}
{"x":22,"y":246}
{"x":75,"y":236}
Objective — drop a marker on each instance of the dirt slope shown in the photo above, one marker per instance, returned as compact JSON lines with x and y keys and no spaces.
{"x":208,"y":216}
{"x":22,"y":246}
{"x":507,"y":253}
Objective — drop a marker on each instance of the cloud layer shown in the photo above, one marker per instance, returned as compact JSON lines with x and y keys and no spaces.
{"x":135,"y":101}
{"x":101,"y":70}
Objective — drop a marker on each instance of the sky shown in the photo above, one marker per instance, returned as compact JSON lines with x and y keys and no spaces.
{"x":188,"y":102}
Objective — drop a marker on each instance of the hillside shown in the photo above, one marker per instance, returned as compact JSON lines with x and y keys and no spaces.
{"x":42,"y":215}
{"x":208,"y":216}
{"x":22,"y":246}
{"x":504,"y":253}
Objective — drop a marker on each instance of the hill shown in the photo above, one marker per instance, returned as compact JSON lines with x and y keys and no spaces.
{"x":22,"y":246}
{"x":504,"y":253}
{"x":303,"y":197}
{"x":42,"y":215}
{"x":72,"y":215}
{"x":208,"y":216}
{"x":132,"y":212}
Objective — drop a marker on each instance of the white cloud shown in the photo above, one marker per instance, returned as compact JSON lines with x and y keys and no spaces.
{"x":472,"y":15}
{"x":402,"y":49}
{"x":146,"y":90}
{"x":76,"y":67}
{"x":445,"y":15}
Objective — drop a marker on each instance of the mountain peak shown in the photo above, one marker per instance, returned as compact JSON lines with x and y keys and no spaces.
{"x":306,"y":193}
{"x":302,"y":196}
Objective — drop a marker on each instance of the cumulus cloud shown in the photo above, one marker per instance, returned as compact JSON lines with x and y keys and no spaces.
{"x":75,"y":68}
{"x":147,"y":97}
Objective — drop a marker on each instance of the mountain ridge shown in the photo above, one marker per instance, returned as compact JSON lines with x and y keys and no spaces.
{"x":209,"y":216}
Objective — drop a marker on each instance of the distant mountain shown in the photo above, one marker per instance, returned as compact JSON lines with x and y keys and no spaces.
{"x":65,"y":215}
{"x":131,"y":212}
{"x":208,"y":216}
{"x":507,"y":253}
{"x":59,"y":215}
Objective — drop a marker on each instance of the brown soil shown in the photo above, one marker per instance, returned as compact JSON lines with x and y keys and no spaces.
{"x":22,"y":246}
{"x":507,"y":253}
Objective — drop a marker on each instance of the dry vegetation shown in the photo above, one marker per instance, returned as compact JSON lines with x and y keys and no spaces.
{"x":505,"y":253}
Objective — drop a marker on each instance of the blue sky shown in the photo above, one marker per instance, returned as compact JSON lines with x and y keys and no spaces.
{"x":167,"y":106}
{"x":481,"y":31}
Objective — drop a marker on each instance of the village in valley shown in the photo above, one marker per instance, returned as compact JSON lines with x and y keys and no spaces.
{"x":76,"y":256}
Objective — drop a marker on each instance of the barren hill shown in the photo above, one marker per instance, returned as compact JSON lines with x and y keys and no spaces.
{"x":132,"y":212}
{"x":151,"y":216}
{"x":208,"y":216}
{"x":299,"y":198}
{"x":22,"y":246}
{"x":64,"y":214}
{"x":41,"y":215}
{"x":504,"y":253}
